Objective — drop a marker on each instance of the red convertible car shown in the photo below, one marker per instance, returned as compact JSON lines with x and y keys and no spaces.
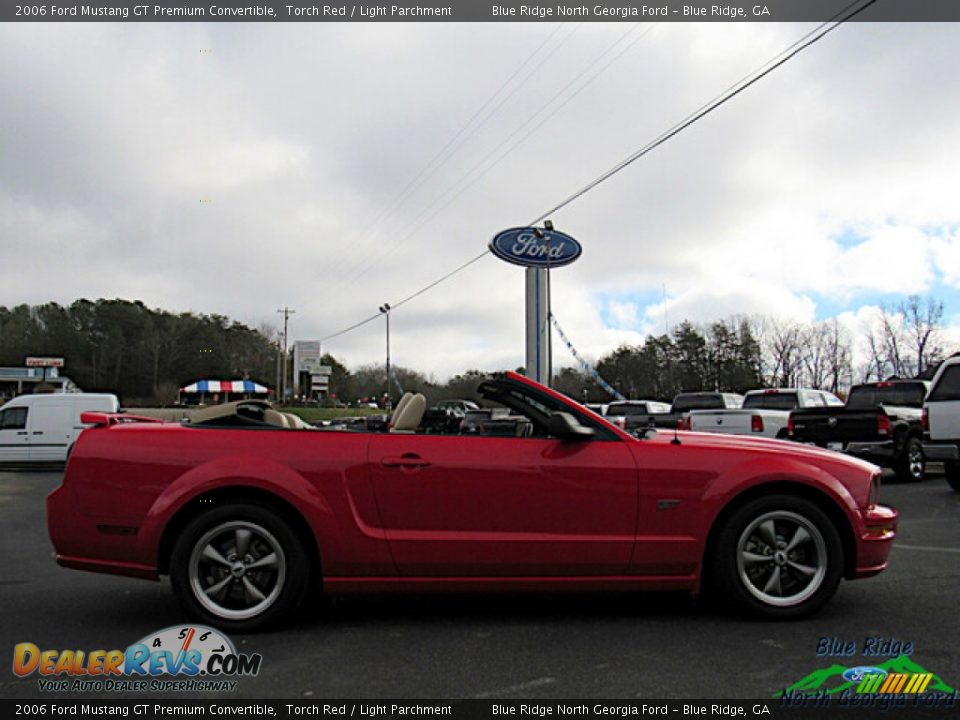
{"x":244,"y":508}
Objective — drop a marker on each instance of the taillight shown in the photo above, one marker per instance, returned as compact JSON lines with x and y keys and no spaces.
{"x":883,"y":425}
{"x":925,"y":419}
{"x":756,"y":423}
{"x":620,"y":422}
{"x":683,"y":423}
{"x":790,"y":425}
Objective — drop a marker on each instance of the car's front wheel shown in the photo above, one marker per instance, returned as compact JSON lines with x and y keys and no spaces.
{"x":777,"y":557}
{"x":239,"y":567}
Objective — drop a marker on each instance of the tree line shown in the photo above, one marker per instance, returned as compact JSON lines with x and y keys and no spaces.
{"x":145,"y":355}
{"x":141,"y":354}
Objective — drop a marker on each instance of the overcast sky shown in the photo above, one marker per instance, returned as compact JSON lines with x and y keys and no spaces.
{"x":238,"y":168}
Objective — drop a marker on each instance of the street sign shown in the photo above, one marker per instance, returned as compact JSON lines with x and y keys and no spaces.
{"x":44,"y":362}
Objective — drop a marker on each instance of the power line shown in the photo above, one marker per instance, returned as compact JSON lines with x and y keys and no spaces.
{"x":747,"y":81}
{"x":454,"y":147}
{"x":704,"y":110}
{"x":466,"y":182}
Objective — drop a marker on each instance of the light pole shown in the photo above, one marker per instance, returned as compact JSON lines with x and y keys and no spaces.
{"x":287,"y":312}
{"x":385,"y":309}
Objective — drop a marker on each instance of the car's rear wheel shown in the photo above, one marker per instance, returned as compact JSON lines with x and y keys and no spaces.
{"x":951,"y":469}
{"x":239,"y":567}
{"x":778,"y":557}
{"x":911,"y":466}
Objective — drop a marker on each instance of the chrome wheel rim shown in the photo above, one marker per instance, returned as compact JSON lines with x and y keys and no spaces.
{"x":915,"y":461}
{"x":237,"y":570}
{"x":781,"y":558}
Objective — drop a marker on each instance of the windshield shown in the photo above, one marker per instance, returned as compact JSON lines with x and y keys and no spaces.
{"x":772,"y":401}
{"x":628,"y":409}
{"x":698,"y":401}
{"x":902,"y":394}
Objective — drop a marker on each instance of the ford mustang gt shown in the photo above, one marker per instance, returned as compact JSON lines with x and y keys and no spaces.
{"x":245,"y":508}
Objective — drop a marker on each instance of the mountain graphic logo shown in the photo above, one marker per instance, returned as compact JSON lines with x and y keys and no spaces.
{"x":831,"y":681}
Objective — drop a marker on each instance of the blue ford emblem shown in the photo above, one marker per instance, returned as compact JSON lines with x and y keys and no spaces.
{"x":856,"y":674}
{"x":535,"y":248}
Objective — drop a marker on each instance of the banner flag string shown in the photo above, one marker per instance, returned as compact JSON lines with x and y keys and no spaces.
{"x":588,"y":368}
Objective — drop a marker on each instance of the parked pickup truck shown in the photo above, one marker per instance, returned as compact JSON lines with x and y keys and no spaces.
{"x":941,"y":420}
{"x":635,"y":415}
{"x":764,"y":413}
{"x":685,"y":403}
{"x":880,"y":423}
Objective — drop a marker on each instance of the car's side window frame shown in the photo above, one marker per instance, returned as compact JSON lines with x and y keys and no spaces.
{"x":519,"y":395}
{"x":937,"y":394}
{"x":22,"y":423}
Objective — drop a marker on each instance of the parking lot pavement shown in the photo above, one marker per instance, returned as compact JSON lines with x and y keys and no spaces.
{"x":506,"y":646}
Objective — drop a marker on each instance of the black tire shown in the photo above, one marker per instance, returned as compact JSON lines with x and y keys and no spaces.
{"x":951,"y":469}
{"x":252,"y":565}
{"x":763,"y":578}
{"x":911,"y":466}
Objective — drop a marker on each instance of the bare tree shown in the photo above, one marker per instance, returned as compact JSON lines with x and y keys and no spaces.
{"x":784,"y":342}
{"x":839,"y":357}
{"x":894,"y":340}
{"x":921,"y":320}
{"x":816,"y":355}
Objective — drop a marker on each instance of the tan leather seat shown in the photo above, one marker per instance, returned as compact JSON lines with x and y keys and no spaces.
{"x":408,"y":419}
{"x":407,"y":397}
{"x":296,"y":422}
{"x":275,"y":418}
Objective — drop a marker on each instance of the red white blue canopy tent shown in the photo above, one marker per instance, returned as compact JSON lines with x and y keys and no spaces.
{"x":237,"y":387}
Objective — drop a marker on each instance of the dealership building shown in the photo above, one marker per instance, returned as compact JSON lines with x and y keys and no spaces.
{"x":24,"y":380}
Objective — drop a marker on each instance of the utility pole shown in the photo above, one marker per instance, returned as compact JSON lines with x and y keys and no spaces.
{"x":287,"y":312}
{"x":385,"y":309}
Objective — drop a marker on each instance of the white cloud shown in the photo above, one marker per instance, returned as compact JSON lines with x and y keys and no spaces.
{"x":303,"y":139}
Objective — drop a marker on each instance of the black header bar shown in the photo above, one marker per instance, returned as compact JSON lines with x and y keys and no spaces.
{"x":818,"y":708}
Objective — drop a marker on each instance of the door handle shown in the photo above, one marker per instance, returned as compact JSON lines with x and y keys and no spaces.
{"x":38,"y":432}
{"x":407,"y":460}
{"x":22,"y":432}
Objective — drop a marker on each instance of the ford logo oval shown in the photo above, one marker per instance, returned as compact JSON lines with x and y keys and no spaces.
{"x":535,"y":248}
{"x":856,"y":674}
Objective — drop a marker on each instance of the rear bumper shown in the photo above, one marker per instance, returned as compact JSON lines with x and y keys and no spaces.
{"x":883,"y":452}
{"x":941,"y":452}
{"x":876,"y":540}
{"x":81,"y":543}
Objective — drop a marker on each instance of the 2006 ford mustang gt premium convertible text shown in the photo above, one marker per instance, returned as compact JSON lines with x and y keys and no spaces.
{"x":244,"y":507}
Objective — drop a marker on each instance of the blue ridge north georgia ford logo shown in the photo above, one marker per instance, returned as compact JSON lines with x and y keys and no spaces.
{"x":535,"y":247}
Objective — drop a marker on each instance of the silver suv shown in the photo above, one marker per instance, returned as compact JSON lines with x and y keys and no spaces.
{"x":941,"y":420}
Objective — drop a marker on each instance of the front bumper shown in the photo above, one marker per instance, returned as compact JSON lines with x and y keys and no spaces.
{"x":876,"y":540}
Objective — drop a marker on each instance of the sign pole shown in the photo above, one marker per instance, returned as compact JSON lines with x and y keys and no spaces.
{"x":538,"y":249}
{"x":537,"y":324}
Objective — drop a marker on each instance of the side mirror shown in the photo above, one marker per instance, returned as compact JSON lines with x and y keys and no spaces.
{"x":564,"y":426}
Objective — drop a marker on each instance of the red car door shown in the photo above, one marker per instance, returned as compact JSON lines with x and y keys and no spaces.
{"x":491,"y":506}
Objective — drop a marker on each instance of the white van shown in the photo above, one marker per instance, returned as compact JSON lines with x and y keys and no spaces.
{"x":41,"y":428}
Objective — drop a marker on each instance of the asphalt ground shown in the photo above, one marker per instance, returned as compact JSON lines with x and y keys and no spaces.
{"x":575,"y":646}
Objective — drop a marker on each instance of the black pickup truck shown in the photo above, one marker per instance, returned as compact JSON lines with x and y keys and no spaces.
{"x":880,"y":423}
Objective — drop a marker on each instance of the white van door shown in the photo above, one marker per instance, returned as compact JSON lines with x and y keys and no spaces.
{"x":50,"y":426}
{"x":14,"y":436}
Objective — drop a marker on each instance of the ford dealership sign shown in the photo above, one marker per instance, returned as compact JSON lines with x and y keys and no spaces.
{"x":535,"y":248}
